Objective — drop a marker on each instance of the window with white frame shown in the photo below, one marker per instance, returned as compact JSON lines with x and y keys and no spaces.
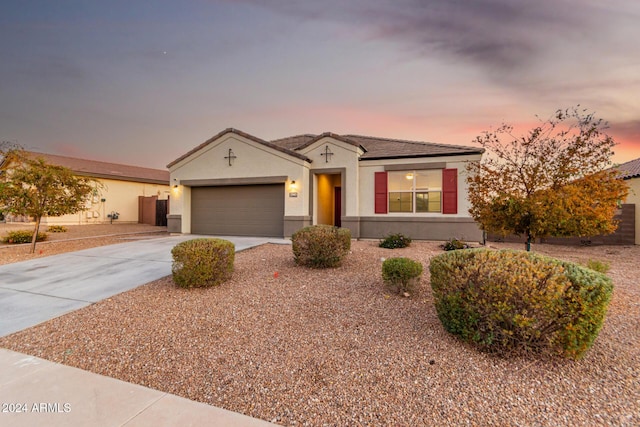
{"x":415,"y":191}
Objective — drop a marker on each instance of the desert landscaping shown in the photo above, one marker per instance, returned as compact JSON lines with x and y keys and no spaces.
{"x":298,"y":346}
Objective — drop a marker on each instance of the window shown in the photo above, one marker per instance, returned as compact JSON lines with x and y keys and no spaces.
{"x":415,"y":191}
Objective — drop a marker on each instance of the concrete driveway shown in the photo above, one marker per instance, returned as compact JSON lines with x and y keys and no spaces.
{"x":34,"y":291}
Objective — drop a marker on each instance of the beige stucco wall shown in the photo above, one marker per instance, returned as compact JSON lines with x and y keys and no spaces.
{"x":367,"y":176}
{"x":634,"y":198}
{"x":252,"y":160}
{"x":119,"y":196}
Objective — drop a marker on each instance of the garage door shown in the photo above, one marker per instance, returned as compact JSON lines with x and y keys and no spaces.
{"x":238,"y":210}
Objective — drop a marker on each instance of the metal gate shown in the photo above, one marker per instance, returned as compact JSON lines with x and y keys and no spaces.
{"x":161,"y":213}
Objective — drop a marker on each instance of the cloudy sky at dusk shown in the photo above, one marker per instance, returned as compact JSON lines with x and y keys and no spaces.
{"x":142,"y":82}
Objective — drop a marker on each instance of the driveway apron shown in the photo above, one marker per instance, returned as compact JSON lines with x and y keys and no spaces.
{"x":35,"y":291}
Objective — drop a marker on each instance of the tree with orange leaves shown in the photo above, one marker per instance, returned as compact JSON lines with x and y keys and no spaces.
{"x":553,"y":181}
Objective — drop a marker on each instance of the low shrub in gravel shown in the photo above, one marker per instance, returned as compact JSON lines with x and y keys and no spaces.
{"x":57,"y":229}
{"x":395,"y":241}
{"x":599,"y":266}
{"x":202,"y":262}
{"x":321,"y":246}
{"x":454,"y":245}
{"x":23,"y":236}
{"x":401,"y":274}
{"x":514,"y":301}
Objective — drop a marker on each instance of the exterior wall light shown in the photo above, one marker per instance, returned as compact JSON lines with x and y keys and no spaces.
{"x":292,"y":189}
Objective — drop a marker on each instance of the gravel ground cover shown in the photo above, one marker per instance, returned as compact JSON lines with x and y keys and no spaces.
{"x":333,"y":347}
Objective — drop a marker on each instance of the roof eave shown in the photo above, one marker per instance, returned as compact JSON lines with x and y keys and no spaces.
{"x":121,"y":177}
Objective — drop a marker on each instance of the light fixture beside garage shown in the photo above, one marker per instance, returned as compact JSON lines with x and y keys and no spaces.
{"x":175,"y":183}
{"x":293,"y":189}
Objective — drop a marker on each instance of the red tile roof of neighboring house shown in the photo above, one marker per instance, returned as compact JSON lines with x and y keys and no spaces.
{"x":97,"y":169}
{"x":630,"y":169}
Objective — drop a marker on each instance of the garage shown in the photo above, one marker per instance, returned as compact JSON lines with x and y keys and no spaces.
{"x":238,"y":210}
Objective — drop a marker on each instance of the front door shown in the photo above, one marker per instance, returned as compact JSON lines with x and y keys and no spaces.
{"x":337,"y":212}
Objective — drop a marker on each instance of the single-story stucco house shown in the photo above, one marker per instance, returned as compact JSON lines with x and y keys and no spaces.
{"x":630,"y":172}
{"x":126,"y":194}
{"x":238,"y":184}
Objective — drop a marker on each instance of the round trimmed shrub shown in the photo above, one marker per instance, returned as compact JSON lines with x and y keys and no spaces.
{"x":321,"y":246}
{"x":202,"y":262}
{"x":514,"y":301}
{"x":401,"y":274}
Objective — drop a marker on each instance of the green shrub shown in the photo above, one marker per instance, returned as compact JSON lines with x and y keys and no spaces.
{"x":57,"y":229}
{"x":599,"y":266}
{"x":515,"y":301}
{"x":394,"y":241}
{"x":23,"y":236}
{"x":401,"y":274}
{"x":202,"y":262}
{"x":321,"y":246}
{"x":454,"y":244}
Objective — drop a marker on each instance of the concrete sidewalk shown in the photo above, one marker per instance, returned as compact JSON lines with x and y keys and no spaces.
{"x":35,"y":392}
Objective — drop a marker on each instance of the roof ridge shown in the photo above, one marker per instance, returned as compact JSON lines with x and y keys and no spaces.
{"x":310,"y":135}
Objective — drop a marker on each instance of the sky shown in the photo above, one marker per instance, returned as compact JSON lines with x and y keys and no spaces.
{"x":143,"y":82}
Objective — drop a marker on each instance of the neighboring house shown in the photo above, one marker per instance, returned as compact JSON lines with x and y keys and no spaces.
{"x":630,"y":172}
{"x":124,"y":193}
{"x":238,"y":184}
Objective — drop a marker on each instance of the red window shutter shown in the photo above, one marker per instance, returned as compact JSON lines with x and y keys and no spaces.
{"x":381,"y":192}
{"x":449,"y":191}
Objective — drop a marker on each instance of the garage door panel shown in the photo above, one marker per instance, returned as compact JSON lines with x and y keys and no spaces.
{"x":248,"y":210}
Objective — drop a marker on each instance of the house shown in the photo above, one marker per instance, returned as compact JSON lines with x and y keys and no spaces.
{"x":126,"y":194}
{"x":238,"y":184}
{"x":630,"y":172}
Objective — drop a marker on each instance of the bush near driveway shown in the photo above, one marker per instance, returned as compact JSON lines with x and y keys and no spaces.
{"x":202,"y":262}
{"x":509,"y":300}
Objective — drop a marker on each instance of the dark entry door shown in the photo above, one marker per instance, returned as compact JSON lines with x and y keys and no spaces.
{"x":337,"y":212}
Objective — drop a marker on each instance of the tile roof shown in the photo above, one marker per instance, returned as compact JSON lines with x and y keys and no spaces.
{"x":382,"y":148}
{"x":631,"y":169}
{"x":388,"y":148}
{"x":374,"y":148}
{"x":97,"y":169}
